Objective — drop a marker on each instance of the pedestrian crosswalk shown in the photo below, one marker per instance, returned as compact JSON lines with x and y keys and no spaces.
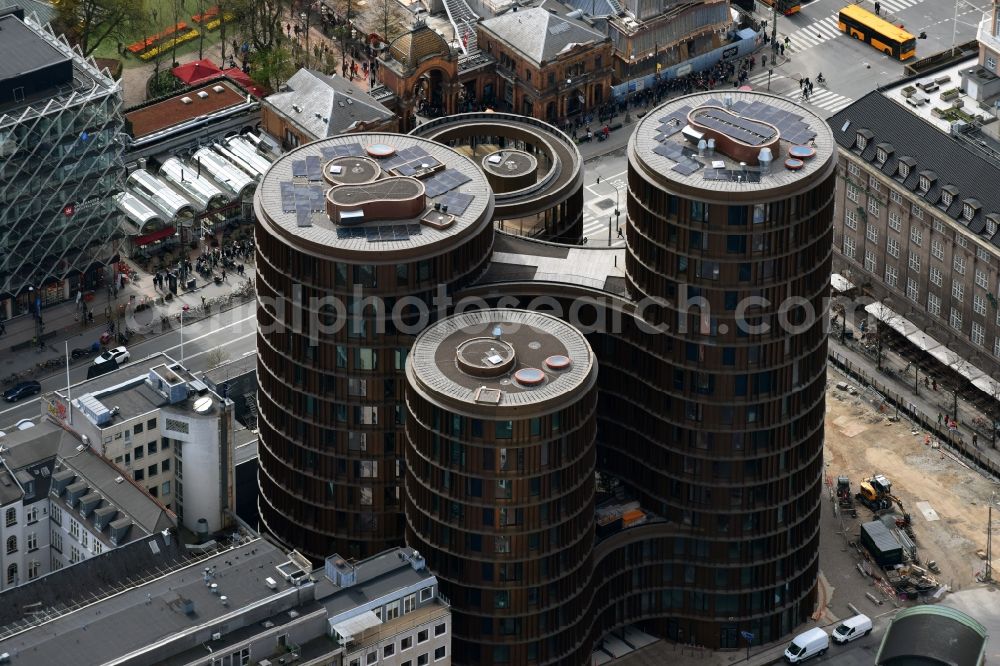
{"x":813,"y":34}
{"x":821,"y":98}
{"x":825,"y":29}
{"x":595,"y":224}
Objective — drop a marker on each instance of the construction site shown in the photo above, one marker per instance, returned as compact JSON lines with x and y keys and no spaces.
{"x":913,"y":513}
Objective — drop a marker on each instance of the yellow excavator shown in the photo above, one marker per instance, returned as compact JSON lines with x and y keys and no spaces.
{"x":876,"y":493}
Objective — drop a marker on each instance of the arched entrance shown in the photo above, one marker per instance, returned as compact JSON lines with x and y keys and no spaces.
{"x":429,"y":94}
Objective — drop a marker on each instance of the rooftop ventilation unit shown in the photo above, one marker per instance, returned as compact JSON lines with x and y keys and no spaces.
{"x":765,"y":158}
{"x":218,"y":89}
{"x":202,"y":94}
{"x":186,"y":100}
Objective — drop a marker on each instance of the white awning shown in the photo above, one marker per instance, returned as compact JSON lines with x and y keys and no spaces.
{"x":945,"y":355}
{"x":352,"y":626}
{"x":987,"y":385}
{"x":968,"y":370}
{"x":840,"y":283}
{"x":922,"y":341}
{"x":898,"y":323}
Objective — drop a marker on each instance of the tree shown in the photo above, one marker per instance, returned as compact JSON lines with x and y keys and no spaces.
{"x":201,"y":33}
{"x":177,"y":6}
{"x":391,"y":21}
{"x":88,"y":23}
{"x":217,"y":357}
{"x":273,"y":66}
{"x":260,"y":21}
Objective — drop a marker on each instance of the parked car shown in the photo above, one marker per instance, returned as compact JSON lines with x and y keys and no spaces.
{"x":806,"y":645}
{"x":851,"y":628}
{"x":22,"y":390}
{"x":24,"y":424}
{"x":118,"y":355}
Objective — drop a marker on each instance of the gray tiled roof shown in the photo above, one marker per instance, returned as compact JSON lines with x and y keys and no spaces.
{"x":330,"y":105}
{"x":888,"y":125}
{"x":45,"y":12}
{"x":539,"y":34}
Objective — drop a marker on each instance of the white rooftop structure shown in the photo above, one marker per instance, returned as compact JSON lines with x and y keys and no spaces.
{"x":224,"y":172}
{"x":138,"y":211}
{"x":159,"y":193}
{"x":193,"y":183}
{"x":247,"y":151}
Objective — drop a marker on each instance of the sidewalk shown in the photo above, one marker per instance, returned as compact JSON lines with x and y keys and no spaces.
{"x":65,"y":319}
{"x":897,"y":388}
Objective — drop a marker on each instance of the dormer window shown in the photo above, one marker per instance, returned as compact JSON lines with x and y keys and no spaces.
{"x":861,"y":142}
{"x":904,"y":170}
{"x":924,"y":184}
{"x":968,"y":212}
{"x":947,"y":198}
{"x":881,"y":156}
{"x":991,"y":226}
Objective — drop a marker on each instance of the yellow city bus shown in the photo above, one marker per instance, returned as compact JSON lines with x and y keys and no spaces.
{"x":892,"y":40}
{"x":786,"y":7}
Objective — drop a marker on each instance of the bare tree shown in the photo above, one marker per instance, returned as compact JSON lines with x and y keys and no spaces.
{"x":89,"y":22}
{"x":391,"y":20}
{"x":176,"y":6}
{"x":260,"y":21}
{"x":200,"y":4}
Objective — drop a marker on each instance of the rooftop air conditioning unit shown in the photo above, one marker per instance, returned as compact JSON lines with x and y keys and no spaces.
{"x":186,"y":100}
{"x":217,"y":636}
{"x":202,"y":94}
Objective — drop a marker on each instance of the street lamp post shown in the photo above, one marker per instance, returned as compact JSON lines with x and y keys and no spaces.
{"x":183,"y":310}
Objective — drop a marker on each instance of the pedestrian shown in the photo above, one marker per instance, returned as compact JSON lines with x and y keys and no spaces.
{"x":878,"y":8}
{"x":763,"y":60}
{"x":802,"y":84}
{"x":782,"y":49}
{"x":620,"y":234}
{"x":3,"y":328}
{"x":934,"y":384}
{"x":223,"y":274}
{"x":975,"y":440}
{"x":939,"y":418}
{"x":203,"y":305}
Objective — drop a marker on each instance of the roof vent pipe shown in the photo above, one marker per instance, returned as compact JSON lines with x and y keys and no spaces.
{"x":702,"y":145}
{"x":765,"y":158}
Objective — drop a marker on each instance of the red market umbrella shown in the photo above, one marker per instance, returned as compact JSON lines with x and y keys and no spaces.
{"x":242,"y":78}
{"x":193,"y":72}
{"x":746,"y":88}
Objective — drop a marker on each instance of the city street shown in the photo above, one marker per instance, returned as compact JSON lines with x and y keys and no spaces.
{"x":851,"y":68}
{"x":232,"y":331}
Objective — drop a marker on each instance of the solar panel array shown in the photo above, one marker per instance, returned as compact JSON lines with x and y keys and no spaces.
{"x":456,"y":202}
{"x":379,"y":234}
{"x":404,"y":156}
{"x":790,"y":124}
{"x":686,"y":164}
{"x":672,"y":123}
{"x":299,"y":196}
{"x":747,"y":130}
{"x":445,"y":181}
{"x":413,"y":167}
{"x":344,"y":150}
{"x":750,"y":175}
{"x":791,"y":128}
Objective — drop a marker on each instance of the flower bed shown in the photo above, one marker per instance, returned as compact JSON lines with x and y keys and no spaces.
{"x":214,"y":25}
{"x":209,"y":14}
{"x":149,"y":42}
{"x":177,"y":41}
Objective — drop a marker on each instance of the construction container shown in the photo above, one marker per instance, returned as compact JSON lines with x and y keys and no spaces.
{"x":883,"y":546}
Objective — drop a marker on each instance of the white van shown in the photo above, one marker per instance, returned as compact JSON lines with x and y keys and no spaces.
{"x":851,"y":628}
{"x":807,"y":644}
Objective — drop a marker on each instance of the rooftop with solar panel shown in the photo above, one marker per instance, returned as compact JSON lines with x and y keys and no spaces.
{"x":371,"y":192}
{"x":733,"y":141}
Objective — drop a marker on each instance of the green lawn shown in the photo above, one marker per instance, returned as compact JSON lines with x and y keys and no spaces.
{"x":165,"y":19}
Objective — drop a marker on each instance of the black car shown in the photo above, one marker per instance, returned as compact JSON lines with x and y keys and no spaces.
{"x":22,"y":390}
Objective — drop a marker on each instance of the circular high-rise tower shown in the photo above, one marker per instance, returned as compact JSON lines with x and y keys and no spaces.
{"x":500,"y":481}
{"x":720,"y":427}
{"x":357,"y":238}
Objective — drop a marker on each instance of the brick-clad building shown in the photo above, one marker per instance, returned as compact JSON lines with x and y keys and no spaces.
{"x":918,"y":227}
{"x":547,"y":66}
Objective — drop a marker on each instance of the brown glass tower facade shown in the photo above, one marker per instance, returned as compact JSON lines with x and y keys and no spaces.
{"x":500,"y":483}
{"x":352,"y":253}
{"x":720,"y":427}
